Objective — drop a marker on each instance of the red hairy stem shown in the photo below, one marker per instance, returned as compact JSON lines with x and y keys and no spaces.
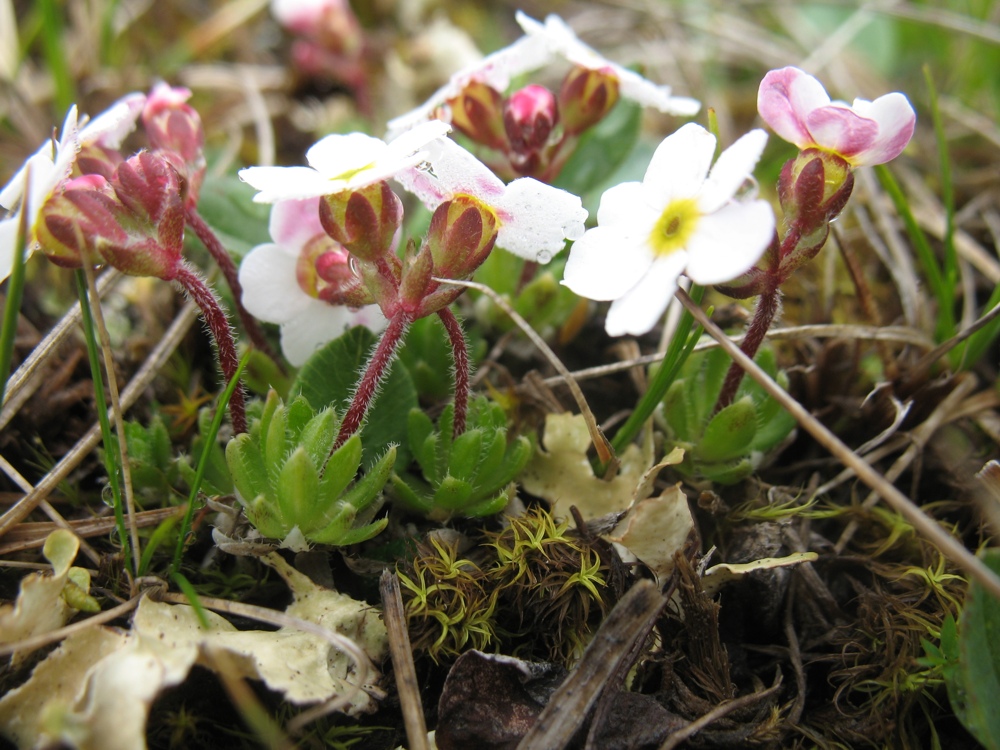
{"x":211,"y":311}
{"x":763,"y":316}
{"x":460,"y":354}
{"x":375,"y":371}
{"x":228,"y":268}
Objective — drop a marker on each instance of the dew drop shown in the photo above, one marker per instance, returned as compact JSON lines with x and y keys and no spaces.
{"x":543,"y":257}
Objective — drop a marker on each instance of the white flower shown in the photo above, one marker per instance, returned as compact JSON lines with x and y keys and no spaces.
{"x":561,"y":40}
{"x":680,"y":219}
{"x":48,"y":168}
{"x":535,"y":219}
{"x":280,"y":283}
{"x":340,"y":163}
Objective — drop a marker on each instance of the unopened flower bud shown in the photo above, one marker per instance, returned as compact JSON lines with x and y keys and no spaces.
{"x":418,"y":268}
{"x":324,"y":272}
{"x":529,"y":115}
{"x":478,"y":112}
{"x":151,"y":189}
{"x":461,"y":235}
{"x":174,"y":127}
{"x":586,"y":96}
{"x":75,"y":219}
{"x":364,"y":221}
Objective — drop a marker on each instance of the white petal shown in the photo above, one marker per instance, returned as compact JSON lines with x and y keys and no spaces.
{"x":8,"y":245}
{"x":606,"y":262}
{"x":642,"y":91}
{"x":537,"y":219}
{"x":451,"y":169}
{"x":41,"y":165}
{"x":729,"y":242}
{"x":641,"y":307}
{"x":110,"y":127}
{"x":271,"y":291}
{"x":896,"y":121}
{"x":680,"y":164}
{"x":337,"y":157}
{"x":294,"y":223}
{"x":415,"y":139}
{"x":618,"y":204}
{"x":287,"y":183}
{"x":731,"y":170}
{"x":320,"y":323}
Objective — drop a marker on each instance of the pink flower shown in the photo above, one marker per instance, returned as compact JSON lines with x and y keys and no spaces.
{"x":797,"y":108}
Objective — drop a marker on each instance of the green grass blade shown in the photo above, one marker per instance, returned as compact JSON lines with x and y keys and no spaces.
{"x":678,"y":351}
{"x":188,"y":590}
{"x":942,"y":290}
{"x":203,"y":459}
{"x":54,"y":46}
{"x":111,"y":463}
{"x":12,"y":307}
{"x":947,"y":186}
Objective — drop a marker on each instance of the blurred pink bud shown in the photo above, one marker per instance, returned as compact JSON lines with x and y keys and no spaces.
{"x":478,"y":112}
{"x":798,"y":109}
{"x":174,"y":127}
{"x":529,"y":116}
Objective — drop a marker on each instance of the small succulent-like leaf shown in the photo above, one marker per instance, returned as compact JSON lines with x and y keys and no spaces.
{"x":298,"y":491}
{"x":452,"y":494}
{"x":729,"y":433}
{"x":463,"y":462}
{"x":342,"y":537}
{"x":491,"y":464}
{"x":274,"y":444}
{"x":676,"y":412}
{"x":489,"y":507}
{"x":726,"y":473}
{"x":423,"y":441}
{"x":340,"y":469}
{"x":366,"y":490}
{"x":271,"y":405}
{"x":247,"y":467}
{"x":318,"y":435}
{"x":298,"y":413}
{"x":404,"y":493}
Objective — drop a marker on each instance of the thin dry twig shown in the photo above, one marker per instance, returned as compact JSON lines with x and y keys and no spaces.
{"x":402,"y":661}
{"x":946,"y":544}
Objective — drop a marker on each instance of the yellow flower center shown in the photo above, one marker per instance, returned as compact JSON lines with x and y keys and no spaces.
{"x":675,"y":226}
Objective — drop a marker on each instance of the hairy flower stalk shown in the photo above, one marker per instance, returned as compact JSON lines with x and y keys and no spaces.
{"x":813,"y":187}
{"x":460,"y":353}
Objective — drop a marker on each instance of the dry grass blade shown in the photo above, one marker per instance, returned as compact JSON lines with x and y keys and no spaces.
{"x":32,"y":535}
{"x":402,"y":661}
{"x":150,"y":368}
{"x":946,"y":544}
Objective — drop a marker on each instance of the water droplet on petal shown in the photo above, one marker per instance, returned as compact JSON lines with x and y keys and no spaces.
{"x":544,"y":256}
{"x":352,"y":263}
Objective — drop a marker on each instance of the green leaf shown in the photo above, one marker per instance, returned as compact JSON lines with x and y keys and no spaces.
{"x":975,"y":691}
{"x":329,"y":378}
{"x":729,"y":433}
{"x":246,"y":464}
{"x":602,"y":149}
{"x":298,"y":490}
{"x":453,"y":493}
{"x":340,"y":470}
{"x":226,"y":204}
{"x":465,"y":451}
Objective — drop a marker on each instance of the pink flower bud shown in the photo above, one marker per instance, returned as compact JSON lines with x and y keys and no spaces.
{"x":478,"y":112}
{"x":797,"y":108}
{"x":332,"y":23}
{"x":529,"y":116}
{"x":462,"y":233}
{"x":365,"y":221}
{"x":75,"y":220}
{"x":174,"y":127}
{"x":324,"y":272}
{"x":586,"y":96}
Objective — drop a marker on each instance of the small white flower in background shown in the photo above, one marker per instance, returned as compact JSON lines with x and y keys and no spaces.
{"x":339,"y":163}
{"x":535,"y":219}
{"x":281,"y":283}
{"x":682,"y":218}
{"x":48,"y":167}
{"x":560,"y":39}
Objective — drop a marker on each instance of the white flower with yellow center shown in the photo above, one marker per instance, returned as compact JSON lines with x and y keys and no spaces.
{"x":339,"y":163}
{"x":681,"y":219}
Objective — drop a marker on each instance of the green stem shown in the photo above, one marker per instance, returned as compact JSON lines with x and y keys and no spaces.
{"x":110,"y":452}
{"x":680,"y":347}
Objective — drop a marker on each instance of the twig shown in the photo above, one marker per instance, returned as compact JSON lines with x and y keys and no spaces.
{"x":402,"y":661}
{"x":566,"y":710}
{"x":946,"y":544}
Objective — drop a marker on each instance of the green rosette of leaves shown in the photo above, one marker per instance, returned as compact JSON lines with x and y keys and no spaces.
{"x":471,"y":475}
{"x":727,"y":446}
{"x":294,"y":489}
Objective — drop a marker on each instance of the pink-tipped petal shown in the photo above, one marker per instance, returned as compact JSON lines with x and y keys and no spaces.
{"x":896,"y":121}
{"x":293,"y":223}
{"x":839,"y":129}
{"x":270,"y":289}
{"x":785,"y":99}
{"x":537,"y":219}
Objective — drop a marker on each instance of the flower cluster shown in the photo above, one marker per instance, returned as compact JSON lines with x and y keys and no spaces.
{"x":535,"y":129}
